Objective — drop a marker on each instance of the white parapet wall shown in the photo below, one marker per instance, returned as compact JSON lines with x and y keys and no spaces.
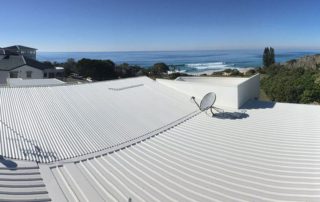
{"x":232,"y":92}
{"x":249,"y":89}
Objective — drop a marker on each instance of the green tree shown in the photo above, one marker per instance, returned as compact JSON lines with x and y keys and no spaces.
{"x":272,"y":56}
{"x":268,"y":57}
{"x":297,"y":85}
{"x":160,"y":68}
{"x":265,"y":58}
{"x":70,"y":66}
{"x":96,"y":69}
{"x":125,"y":70}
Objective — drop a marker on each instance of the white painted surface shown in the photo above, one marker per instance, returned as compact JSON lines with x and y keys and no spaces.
{"x":226,"y":95}
{"x":21,"y":181}
{"x":231,"y":92}
{"x":18,"y":82}
{"x":271,"y":155}
{"x":74,"y":120}
{"x":22,"y":72}
{"x":219,"y":81}
{"x":249,"y":89}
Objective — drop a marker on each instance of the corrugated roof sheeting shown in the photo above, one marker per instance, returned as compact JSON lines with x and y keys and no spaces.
{"x":22,"y":183}
{"x":54,"y":123}
{"x":271,"y":155}
{"x":19,"y":82}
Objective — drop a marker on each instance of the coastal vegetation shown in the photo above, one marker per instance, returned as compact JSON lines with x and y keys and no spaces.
{"x":295,"y":81}
{"x":96,"y":69}
{"x":99,"y":70}
{"x":159,"y":68}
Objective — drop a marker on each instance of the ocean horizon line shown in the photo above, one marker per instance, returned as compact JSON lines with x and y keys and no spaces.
{"x":200,"y":50}
{"x":199,"y":60}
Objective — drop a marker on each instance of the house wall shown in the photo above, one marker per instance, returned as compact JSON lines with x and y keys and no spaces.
{"x":3,"y":77}
{"x":22,"y":72}
{"x":249,"y":89}
{"x":226,"y":95}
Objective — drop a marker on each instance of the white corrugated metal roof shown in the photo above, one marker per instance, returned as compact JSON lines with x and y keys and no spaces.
{"x":19,"y":82}
{"x":272,"y":154}
{"x":62,"y":122}
{"x":21,"y":181}
{"x":136,"y":139}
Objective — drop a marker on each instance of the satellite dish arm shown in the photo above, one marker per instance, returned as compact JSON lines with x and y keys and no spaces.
{"x":194,"y":100}
{"x":218,"y":109}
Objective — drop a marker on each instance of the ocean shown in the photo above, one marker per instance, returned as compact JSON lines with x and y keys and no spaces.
{"x":185,"y":61}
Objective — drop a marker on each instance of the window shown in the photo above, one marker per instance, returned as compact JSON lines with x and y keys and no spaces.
{"x":29,"y":73}
{"x":45,"y":74}
{"x":14,"y":74}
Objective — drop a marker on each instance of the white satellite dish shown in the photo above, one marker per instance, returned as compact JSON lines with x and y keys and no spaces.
{"x":207,"y":102}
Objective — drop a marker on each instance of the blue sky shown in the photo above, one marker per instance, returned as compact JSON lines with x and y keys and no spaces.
{"x":130,"y":25}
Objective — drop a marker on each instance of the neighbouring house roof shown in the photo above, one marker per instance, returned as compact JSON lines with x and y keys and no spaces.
{"x":59,"y":68}
{"x":19,"y":82}
{"x":18,"y":47}
{"x":10,"y":62}
{"x":37,"y":64}
{"x":136,"y":139}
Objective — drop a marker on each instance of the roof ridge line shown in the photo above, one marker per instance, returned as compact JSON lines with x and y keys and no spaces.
{"x":123,"y":145}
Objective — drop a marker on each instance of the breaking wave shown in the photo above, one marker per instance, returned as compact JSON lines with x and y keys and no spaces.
{"x":210,"y":65}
